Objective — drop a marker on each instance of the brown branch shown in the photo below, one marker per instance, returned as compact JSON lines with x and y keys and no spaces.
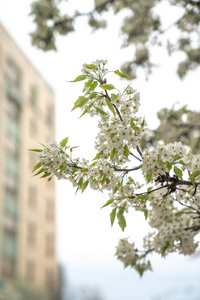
{"x":127,"y":170}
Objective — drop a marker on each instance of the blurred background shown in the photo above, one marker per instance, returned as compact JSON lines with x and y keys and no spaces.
{"x":55,"y":245}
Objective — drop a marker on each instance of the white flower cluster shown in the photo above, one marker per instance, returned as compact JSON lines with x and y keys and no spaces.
{"x":129,"y":255}
{"x":170,"y":204}
{"x":160,"y":159}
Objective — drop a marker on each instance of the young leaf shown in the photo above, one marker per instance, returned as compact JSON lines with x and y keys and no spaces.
{"x":91,"y":66}
{"x":37,"y":166}
{"x":40,"y":171}
{"x":178,"y":172}
{"x":146,"y":214}
{"x":169,"y":165}
{"x":121,"y":219}
{"x":80,"y":102}
{"x":46,"y":175}
{"x":63,"y":143}
{"x":106,"y":86}
{"x":121,"y":74}
{"x":35,"y":150}
{"x":193,"y":175}
{"x":122,"y":222}
{"x":102,"y":112}
{"x":112,"y":153}
{"x":126,"y":151}
{"x":114,"y":97}
{"x":164,"y":248}
{"x":84,"y":185}
{"x":149,"y":175}
{"x":160,"y":162}
{"x":110,"y":106}
{"x":93,"y":86}
{"x":79,"y":78}
{"x":112,"y":216}
{"x":85,"y":112}
{"x":108,"y":203}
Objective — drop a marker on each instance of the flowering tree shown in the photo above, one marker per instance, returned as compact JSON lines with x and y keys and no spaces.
{"x":142,"y":27}
{"x":168,"y":195}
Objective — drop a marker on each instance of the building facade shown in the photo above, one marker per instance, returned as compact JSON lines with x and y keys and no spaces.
{"x":27,"y":203}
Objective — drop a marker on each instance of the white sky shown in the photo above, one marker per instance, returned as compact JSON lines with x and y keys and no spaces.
{"x":86,"y":243}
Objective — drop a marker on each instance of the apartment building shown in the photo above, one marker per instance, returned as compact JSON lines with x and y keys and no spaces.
{"x":27,"y":203}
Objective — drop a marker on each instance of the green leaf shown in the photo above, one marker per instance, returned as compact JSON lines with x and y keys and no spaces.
{"x":193,"y":176}
{"x":164,"y":248}
{"x":140,"y":270}
{"x":168,"y":219}
{"x":108,"y":203}
{"x":126,"y":151}
{"x":88,"y":83}
{"x":178,"y":172}
{"x":149,"y":175}
{"x":112,"y":153}
{"x":84,"y":185}
{"x":102,"y":112}
{"x":37,"y":166}
{"x":160,"y":162}
{"x":63,"y":143}
{"x":46,"y":175}
{"x":122,"y":222}
{"x":106,"y":86}
{"x":112,"y":216}
{"x":80,"y":182}
{"x":110,"y":106}
{"x":195,"y":173}
{"x":182,"y":162}
{"x":80,"y":102}
{"x":114,"y":97}
{"x":91,"y":66}
{"x":84,"y":169}
{"x":63,"y":167}
{"x":146,"y":214}
{"x":98,"y":155}
{"x":35,"y":150}
{"x":121,"y":219}
{"x":136,"y":128}
{"x":85,"y":112}
{"x":144,"y":197}
{"x":79,"y":78}
{"x":169,"y":165}
{"x":121,"y":74}
{"x":39,"y":172}
{"x":93,"y":86}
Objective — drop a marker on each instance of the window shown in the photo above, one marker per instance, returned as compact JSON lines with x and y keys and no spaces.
{"x":31,"y":234}
{"x":12,"y":146}
{"x":9,"y":226}
{"x":13,"y":110}
{"x":13,"y":73}
{"x":50,"y":115}
{"x":33,"y":97}
{"x":30,"y":270}
{"x":32,"y":197}
{"x":50,"y":245}
{"x":33,"y":128}
{"x":11,"y":186}
{"x":50,"y":210}
{"x":8,"y":267}
{"x":50,"y":279}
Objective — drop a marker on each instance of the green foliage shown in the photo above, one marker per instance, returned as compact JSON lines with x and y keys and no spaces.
{"x":141,"y":27}
{"x":164,"y":248}
{"x":181,"y":125}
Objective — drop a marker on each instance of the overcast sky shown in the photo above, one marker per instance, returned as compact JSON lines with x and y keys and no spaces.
{"x":86,"y":243}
